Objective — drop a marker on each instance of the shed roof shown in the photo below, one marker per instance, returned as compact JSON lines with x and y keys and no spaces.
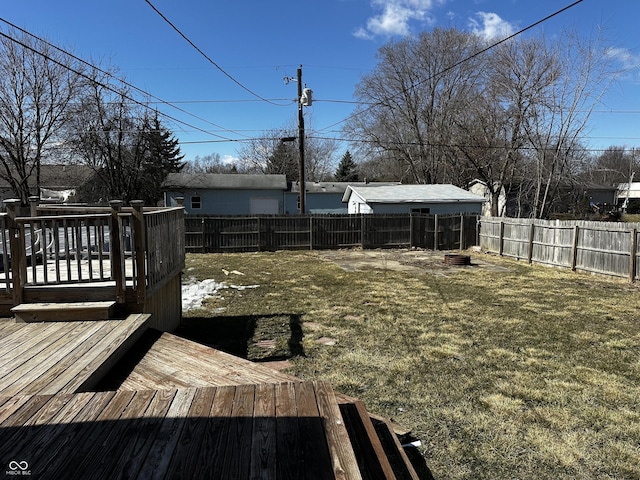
{"x":436,"y":193}
{"x":224,"y":181}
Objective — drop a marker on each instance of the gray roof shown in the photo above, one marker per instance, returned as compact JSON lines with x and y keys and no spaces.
{"x":224,"y":181}
{"x":332,"y":187}
{"x":439,"y":193}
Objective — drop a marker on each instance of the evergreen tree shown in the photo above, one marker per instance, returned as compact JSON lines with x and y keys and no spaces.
{"x":283,"y":160}
{"x":347,"y":169}
{"x":163,"y":157}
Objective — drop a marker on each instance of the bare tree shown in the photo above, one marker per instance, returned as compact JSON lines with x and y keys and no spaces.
{"x":276,"y":151}
{"x":556,"y":123}
{"x":37,"y":87}
{"x":209,"y":164}
{"x":123,"y":142}
{"x":411,"y":99}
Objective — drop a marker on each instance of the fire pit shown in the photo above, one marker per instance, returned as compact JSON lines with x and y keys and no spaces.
{"x":456,"y":259}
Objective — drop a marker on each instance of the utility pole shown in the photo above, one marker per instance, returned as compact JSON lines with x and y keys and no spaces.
{"x":301,"y":144}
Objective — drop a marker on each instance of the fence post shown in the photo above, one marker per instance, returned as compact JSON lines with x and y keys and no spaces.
{"x":435,"y":232}
{"x":462,"y":244}
{"x":501,"y":238}
{"x":574,"y":248}
{"x":634,"y":255}
{"x":532,"y":229}
{"x":117,"y":272}
{"x":140,"y":249}
{"x":411,"y":227}
{"x":16,"y":246}
{"x":310,"y":232}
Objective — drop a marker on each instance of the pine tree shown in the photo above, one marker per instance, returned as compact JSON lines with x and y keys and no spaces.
{"x":347,"y":169}
{"x":163,"y":157}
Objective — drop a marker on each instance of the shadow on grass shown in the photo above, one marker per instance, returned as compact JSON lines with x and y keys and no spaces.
{"x":253,"y":337}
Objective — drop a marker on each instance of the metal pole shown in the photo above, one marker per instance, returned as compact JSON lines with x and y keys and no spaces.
{"x":301,"y":144}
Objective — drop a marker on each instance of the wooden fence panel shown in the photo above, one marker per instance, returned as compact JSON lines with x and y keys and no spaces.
{"x":601,"y":247}
{"x":243,"y":233}
{"x":385,"y":231}
{"x":336,"y":231}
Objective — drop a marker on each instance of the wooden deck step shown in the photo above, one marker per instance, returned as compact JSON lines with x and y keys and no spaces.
{"x":63,"y":312}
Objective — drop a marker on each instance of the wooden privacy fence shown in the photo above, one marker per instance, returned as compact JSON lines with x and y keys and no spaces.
{"x":214,"y":234}
{"x":600,"y":247}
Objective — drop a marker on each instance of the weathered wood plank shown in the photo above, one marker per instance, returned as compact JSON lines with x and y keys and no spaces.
{"x":238,"y":456}
{"x":215,"y":436}
{"x":344,"y":460}
{"x":25,"y":434}
{"x":76,"y":436}
{"x":29,"y":367}
{"x":30,"y":339}
{"x":372,"y":459}
{"x":122,"y":429}
{"x":175,"y":362}
{"x":263,"y":446}
{"x":96,"y":434}
{"x":315,"y":451}
{"x":188,"y":447}
{"x":288,"y":441}
{"x":63,"y":312}
{"x":167,"y":435}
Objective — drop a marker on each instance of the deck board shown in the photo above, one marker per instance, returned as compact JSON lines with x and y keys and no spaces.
{"x":212,"y":431}
{"x":47,"y":358}
{"x":174,"y":362}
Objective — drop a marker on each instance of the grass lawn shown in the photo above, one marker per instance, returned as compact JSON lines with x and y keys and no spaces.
{"x":504,"y":370}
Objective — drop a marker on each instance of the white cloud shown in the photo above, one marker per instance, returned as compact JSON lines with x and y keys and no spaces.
{"x":490,"y":26}
{"x":396,"y":16}
{"x":229,"y":159}
{"x":627,"y":59}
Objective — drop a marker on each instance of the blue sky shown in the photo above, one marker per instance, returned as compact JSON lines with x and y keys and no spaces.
{"x":259,"y":42}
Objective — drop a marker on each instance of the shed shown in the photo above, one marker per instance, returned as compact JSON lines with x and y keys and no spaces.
{"x":433,"y":199}
{"x":226,"y":193}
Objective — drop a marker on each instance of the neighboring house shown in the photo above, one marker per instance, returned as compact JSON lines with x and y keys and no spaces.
{"x":226,"y":194}
{"x":433,"y":199}
{"x":58,"y":183}
{"x":628,"y":196}
{"x":478,"y":187}
{"x":321,"y":197}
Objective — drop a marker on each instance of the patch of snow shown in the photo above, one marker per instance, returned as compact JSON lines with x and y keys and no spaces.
{"x":194,"y":293}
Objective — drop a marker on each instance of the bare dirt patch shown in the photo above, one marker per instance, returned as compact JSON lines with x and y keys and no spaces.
{"x":414,"y":260}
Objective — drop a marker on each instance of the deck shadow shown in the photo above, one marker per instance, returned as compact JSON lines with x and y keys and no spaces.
{"x":257,"y":338}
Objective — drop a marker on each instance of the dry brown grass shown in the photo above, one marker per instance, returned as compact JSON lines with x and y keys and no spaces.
{"x":503,"y":371}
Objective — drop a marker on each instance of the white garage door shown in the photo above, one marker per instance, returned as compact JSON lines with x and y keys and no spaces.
{"x":264,"y":206}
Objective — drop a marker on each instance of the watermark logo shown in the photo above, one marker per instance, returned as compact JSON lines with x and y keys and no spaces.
{"x":16,"y":468}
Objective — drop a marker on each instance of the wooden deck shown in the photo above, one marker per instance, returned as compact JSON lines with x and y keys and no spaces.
{"x":48,"y":358}
{"x":179,"y":410}
{"x":276,"y":431}
{"x":170,"y":361}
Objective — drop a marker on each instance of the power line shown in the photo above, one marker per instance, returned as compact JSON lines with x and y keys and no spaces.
{"x":104,"y":85}
{"x":460,"y":62}
{"x":228,"y":75}
{"x":110,"y":75}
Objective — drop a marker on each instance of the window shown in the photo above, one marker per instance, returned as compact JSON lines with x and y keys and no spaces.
{"x":195,"y":202}
{"x":419,"y":210}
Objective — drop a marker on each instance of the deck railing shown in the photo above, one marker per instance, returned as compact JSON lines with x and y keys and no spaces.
{"x":136,"y":249}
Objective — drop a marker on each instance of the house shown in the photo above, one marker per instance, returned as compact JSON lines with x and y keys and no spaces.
{"x":628,"y":197}
{"x":58,"y":183}
{"x":433,"y":199}
{"x":321,"y":197}
{"x":478,"y":187}
{"x":226,"y":194}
